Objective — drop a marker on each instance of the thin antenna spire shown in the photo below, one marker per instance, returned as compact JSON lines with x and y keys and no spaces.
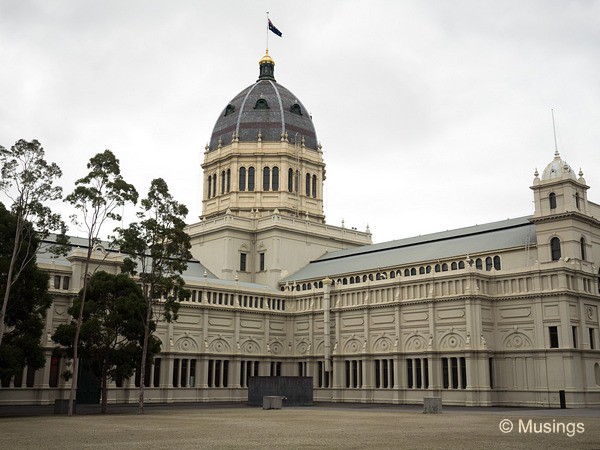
{"x":554,"y":130}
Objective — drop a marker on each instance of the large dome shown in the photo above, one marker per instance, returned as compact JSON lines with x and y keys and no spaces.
{"x":265,"y":107}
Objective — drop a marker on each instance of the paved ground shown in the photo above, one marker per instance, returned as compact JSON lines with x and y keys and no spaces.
{"x":321,"y":426}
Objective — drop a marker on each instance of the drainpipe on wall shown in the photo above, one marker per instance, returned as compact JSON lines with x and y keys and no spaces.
{"x":327,"y":323}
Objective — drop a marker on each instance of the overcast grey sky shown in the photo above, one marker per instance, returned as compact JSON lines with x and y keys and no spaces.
{"x":433,"y":115}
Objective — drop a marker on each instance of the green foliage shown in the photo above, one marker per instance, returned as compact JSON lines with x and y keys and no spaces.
{"x":158,"y":248}
{"x":27,"y":180}
{"x":112,"y":329}
{"x":100,"y":193}
{"x":26,"y":310}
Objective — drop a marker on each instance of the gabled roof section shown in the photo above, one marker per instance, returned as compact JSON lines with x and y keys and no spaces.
{"x":493,"y":236}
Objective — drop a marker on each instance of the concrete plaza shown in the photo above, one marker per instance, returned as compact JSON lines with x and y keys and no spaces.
{"x":321,"y":426}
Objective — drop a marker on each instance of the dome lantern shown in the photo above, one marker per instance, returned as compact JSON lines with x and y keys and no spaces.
{"x":266,"y":68}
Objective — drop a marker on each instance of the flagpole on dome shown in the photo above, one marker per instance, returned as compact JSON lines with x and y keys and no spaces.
{"x":267,"y":32}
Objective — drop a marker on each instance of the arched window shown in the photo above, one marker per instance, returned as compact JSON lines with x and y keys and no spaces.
{"x":351,"y":280}
{"x":406,"y":273}
{"x":228,"y":180}
{"x":223,"y":182}
{"x":577,"y":204}
{"x":214,"y":185}
{"x":438,"y":268}
{"x":392,"y":274}
{"x":453,"y":266}
{"x":261,"y":103}
{"x":497,"y":264}
{"x":552,"y":200}
{"x":345,"y":281}
{"x":444,"y":267}
{"x":308,"y":184}
{"x":314,"y":186}
{"x":488,"y":264}
{"x":478,"y":264}
{"x":582,"y":246}
{"x":357,"y":279}
{"x":413,"y":271}
{"x":266,"y":178}
{"x":295,"y":109}
{"x":275,"y":179}
{"x":428,"y":269}
{"x":250,"y":178}
{"x":555,"y":248}
{"x":461,"y":264}
{"x":297,"y":182}
{"x":242,"y":180}
{"x":364,"y":278}
{"x":209,"y":186}
{"x":421,"y":270}
{"x":290,"y":180}
{"x":230,"y":109}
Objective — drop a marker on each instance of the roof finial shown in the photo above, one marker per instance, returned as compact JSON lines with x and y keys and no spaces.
{"x":554,"y":130}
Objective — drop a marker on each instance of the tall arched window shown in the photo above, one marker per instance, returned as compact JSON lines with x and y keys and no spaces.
{"x":308,"y":184}
{"x":223,"y":182}
{"x":577,"y":204}
{"x":314,"y":186}
{"x":421,"y":270}
{"x":290,"y":180}
{"x":488,"y":263}
{"x":275,"y":179}
{"x":438,"y":268}
{"x":444,"y":267}
{"x":242,"y":180}
{"x":582,"y":246}
{"x":497,"y":264}
{"x":552,"y":200}
{"x":478,"y":264}
{"x":250,"y":178}
{"x":297,"y":182}
{"x":209,"y":184}
{"x":266,"y":178}
{"x":214,"y":185}
{"x":555,"y":248}
{"x":228,"y":180}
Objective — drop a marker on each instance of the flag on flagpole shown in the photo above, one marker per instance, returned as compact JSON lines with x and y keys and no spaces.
{"x":274,"y":29}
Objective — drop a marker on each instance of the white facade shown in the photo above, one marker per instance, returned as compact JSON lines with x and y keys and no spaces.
{"x":497,"y":314}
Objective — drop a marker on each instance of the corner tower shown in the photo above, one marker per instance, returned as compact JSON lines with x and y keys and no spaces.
{"x":263,"y":154}
{"x":262,"y":200}
{"x":565,"y":220}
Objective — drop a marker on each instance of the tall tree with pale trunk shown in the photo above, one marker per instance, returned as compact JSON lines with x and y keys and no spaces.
{"x":98,"y":197}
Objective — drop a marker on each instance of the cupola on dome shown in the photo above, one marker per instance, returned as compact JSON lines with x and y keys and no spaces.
{"x":558,"y":169}
{"x":265,"y":110}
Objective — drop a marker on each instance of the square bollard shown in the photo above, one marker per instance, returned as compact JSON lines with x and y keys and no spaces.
{"x":432,"y":405}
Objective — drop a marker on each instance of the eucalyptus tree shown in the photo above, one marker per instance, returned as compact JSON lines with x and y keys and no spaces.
{"x":27,"y":180}
{"x":112,"y":330}
{"x":98,"y":197}
{"x":158,"y":250}
{"x":29,"y":300}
